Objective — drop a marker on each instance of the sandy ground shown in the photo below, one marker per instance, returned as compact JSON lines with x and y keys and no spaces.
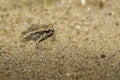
{"x":86,"y":44}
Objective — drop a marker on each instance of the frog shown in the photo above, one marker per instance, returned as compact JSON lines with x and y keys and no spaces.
{"x":38,"y":33}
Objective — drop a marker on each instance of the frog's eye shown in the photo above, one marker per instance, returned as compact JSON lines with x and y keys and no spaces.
{"x":51,"y":26}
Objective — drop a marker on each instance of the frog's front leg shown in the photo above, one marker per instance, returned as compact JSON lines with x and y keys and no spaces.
{"x":53,"y":38}
{"x":37,"y":46}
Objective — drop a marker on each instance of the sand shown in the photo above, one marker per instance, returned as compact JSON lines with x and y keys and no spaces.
{"x":86,"y":44}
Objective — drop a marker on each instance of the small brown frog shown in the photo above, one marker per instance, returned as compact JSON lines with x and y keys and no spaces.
{"x":38,"y":33}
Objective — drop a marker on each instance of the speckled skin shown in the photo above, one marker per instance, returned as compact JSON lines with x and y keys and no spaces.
{"x":38,"y":32}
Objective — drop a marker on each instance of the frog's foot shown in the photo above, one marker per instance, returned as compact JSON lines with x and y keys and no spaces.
{"x":41,"y":48}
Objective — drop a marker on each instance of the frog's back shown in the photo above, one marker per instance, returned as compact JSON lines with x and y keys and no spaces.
{"x":36,"y":32}
{"x":34,"y":28}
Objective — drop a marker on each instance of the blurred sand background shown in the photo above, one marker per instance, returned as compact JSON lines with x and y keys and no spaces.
{"x":86,"y":45}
